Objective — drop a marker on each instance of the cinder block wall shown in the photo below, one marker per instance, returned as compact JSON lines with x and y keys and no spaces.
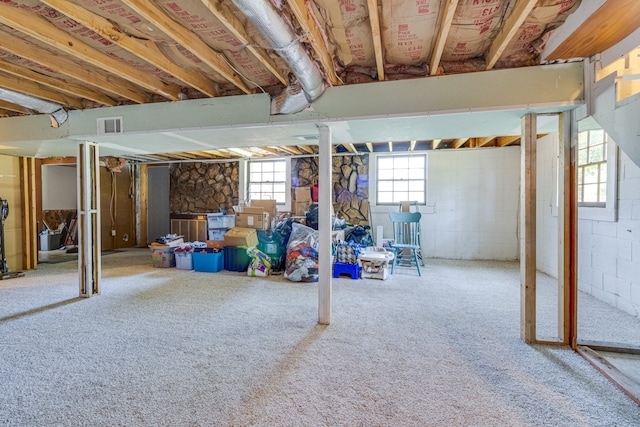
{"x":608,"y":251}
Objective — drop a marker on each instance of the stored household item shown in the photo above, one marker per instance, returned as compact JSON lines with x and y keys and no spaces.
{"x":184,"y":260}
{"x":406,"y":226}
{"x":4,"y":269}
{"x":374,"y":263}
{"x":260,"y":264}
{"x":239,"y":236}
{"x":208,"y":260}
{"x":259,"y":221}
{"x":236,"y":258}
{"x":352,"y":270}
{"x":302,"y":254}
{"x":50,"y":241}
{"x":162,"y":256}
{"x":217,"y":220}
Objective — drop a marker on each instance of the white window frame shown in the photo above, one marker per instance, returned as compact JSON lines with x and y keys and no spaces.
{"x":375,"y":177}
{"x":287,"y":182}
{"x":609,"y":211}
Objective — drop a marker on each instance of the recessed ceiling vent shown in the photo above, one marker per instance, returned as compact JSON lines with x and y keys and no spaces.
{"x":109,"y":125}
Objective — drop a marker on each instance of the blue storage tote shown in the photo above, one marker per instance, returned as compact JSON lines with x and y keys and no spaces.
{"x":236,"y":258}
{"x":207,"y":260}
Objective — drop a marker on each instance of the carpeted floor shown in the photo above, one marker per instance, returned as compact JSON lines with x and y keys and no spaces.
{"x":165,"y":347}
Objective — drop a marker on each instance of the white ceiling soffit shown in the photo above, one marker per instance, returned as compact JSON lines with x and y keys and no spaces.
{"x":482,"y":104}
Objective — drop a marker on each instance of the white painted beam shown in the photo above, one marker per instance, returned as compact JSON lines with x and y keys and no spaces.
{"x":324,"y":226}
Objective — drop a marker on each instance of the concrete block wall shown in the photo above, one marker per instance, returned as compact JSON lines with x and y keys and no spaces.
{"x":608,"y":251}
{"x":472,"y":204}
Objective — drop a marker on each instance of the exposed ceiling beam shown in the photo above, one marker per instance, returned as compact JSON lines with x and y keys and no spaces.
{"x":306,"y":148}
{"x":369,"y":146}
{"x":390,"y":146}
{"x":233,"y":24}
{"x":188,"y":39}
{"x":4,"y":113}
{"x":270,"y":150}
{"x":291,"y":149}
{"x":205,"y":154}
{"x":374,"y":20}
{"x":506,"y":140}
{"x":143,"y":49}
{"x":510,"y":28}
{"x":481,"y":142}
{"x":316,"y":39}
{"x":459,"y":142}
{"x":445,"y":25}
{"x":72,"y":89}
{"x":412,"y":145}
{"x":14,"y":107}
{"x":39,"y":28}
{"x":435,"y":143}
{"x":112,"y":84}
{"x":350,"y":148}
{"x":28,"y":87}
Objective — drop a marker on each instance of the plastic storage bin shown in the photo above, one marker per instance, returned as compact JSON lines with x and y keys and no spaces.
{"x":221,"y":221}
{"x":184,"y":260}
{"x":163,"y":256}
{"x":236,"y":258}
{"x":209,"y":261}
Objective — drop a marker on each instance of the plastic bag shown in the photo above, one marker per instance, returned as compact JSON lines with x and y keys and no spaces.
{"x":360,"y":235}
{"x":260,"y":264}
{"x":302,"y":254}
{"x":274,"y":248}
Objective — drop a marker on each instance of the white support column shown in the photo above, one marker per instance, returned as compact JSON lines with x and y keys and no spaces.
{"x":324,"y":225}
{"x":528,"y":228}
{"x":88,"y":165}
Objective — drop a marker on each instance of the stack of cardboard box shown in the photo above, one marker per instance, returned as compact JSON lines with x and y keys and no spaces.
{"x":302,"y":196}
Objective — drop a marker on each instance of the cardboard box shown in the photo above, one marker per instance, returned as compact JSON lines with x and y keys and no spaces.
{"x":259,"y":221}
{"x":250,"y":210}
{"x":302,"y":194}
{"x":220,"y":221}
{"x":239,"y":236}
{"x":218,"y":233}
{"x":300,"y":208}
{"x":216,"y":244}
{"x":268,"y":205}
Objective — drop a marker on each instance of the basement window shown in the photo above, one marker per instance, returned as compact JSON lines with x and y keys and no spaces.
{"x":597,"y":171}
{"x":592,"y":168}
{"x":401,"y":178}
{"x":267,"y":180}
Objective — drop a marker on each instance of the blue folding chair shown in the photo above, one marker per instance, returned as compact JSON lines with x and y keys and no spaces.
{"x":406,"y":228}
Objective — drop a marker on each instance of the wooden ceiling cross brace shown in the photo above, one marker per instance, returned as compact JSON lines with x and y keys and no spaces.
{"x":315,"y":37}
{"x":233,"y":24}
{"x":374,"y":21}
{"x":445,"y":25}
{"x":510,"y":28}
{"x":68,"y":67}
{"x":143,"y":49}
{"x":188,"y":39}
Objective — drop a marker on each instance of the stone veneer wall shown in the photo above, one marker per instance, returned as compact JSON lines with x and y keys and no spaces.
{"x":203,"y":187}
{"x":350,"y":178}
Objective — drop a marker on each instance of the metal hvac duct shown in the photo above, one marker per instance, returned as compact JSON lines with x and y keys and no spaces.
{"x":282,"y":39}
{"x":56,"y":111}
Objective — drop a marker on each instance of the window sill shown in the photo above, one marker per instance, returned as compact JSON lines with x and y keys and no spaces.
{"x":597,"y":214}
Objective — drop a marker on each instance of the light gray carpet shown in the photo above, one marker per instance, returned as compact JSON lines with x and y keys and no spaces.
{"x":164,"y":347}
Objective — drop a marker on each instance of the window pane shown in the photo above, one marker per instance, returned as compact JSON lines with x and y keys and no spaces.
{"x":401,"y":186}
{"x":280,"y":198}
{"x":385,"y":186}
{"x":400,"y":197}
{"x":416,"y":186}
{"x":416,"y":174}
{"x":603,"y":193}
{"x":591,"y":174}
{"x":580,"y":194}
{"x":416,"y":162}
{"x":279,"y":187}
{"x":254,"y":188}
{"x":255,"y":167}
{"x":401,"y":174}
{"x":267,"y":166}
{"x":580,"y":175}
{"x":603,"y":173}
{"x":582,"y":157}
{"x":385,"y":174}
{"x":401,"y":162}
{"x":280,"y":176}
{"x":385,"y":163}
{"x":590,"y":192}
{"x":596,"y":137}
{"x":583,"y":138}
{"x":385,"y":197}
{"x":596,"y":154}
